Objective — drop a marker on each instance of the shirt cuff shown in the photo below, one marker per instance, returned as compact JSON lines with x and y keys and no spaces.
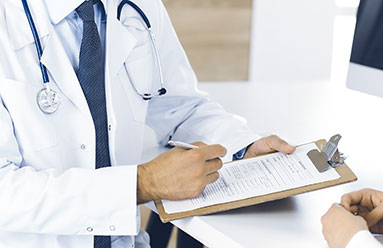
{"x":239,"y":155}
{"x":237,"y":143}
{"x":363,"y":239}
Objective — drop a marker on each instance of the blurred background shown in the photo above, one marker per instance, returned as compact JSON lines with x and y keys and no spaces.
{"x":266,"y":40}
{"x":216,"y":35}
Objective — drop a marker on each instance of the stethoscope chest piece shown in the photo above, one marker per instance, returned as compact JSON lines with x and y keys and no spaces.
{"x":48,"y":100}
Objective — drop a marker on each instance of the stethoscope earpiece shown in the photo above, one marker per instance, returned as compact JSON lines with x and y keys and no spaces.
{"x":162,"y":91}
{"x":147,"y":96}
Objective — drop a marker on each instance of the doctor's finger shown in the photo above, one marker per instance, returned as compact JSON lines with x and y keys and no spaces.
{"x":212,"y":152}
{"x":211,"y":178}
{"x":277,"y":144}
{"x":213,"y":165}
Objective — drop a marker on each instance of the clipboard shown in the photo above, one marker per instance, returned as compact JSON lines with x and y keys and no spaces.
{"x":346,"y":176}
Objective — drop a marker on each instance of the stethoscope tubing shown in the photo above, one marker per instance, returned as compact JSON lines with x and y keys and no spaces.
{"x":162,"y":90}
{"x":134,"y":6}
{"x":36,"y":38}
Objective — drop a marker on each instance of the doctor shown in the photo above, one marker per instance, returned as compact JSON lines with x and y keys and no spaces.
{"x":78,"y":82}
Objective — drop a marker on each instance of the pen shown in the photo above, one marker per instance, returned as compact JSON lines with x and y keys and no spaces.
{"x":181,"y":144}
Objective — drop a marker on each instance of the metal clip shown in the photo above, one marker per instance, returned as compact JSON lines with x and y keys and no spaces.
{"x":329,"y":156}
{"x":334,"y":157}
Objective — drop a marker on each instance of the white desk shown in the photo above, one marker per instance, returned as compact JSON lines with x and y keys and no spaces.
{"x":298,"y":112}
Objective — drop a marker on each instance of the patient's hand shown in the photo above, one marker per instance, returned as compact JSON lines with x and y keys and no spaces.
{"x":339,"y":226}
{"x":367,"y":203}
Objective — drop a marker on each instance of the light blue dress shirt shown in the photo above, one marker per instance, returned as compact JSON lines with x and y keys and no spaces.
{"x":72,"y":40}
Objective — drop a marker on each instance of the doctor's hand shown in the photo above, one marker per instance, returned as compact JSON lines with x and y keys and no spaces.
{"x":339,"y":226}
{"x":269,"y":144}
{"x":179,"y":174}
{"x":368,"y":204}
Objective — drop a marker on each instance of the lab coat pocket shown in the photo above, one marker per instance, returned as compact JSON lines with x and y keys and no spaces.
{"x":33,"y":129}
{"x":139,"y":52}
{"x":136,"y":77}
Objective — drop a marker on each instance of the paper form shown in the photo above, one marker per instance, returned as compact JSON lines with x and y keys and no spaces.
{"x":255,"y":177}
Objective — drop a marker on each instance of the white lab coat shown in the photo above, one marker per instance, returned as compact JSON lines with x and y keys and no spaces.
{"x":50,"y":193}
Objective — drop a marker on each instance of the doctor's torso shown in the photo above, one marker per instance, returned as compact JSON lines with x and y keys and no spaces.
{"x":66,"y":138}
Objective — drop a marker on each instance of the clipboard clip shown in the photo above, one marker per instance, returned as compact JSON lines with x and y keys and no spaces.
{"x":329,"y":156}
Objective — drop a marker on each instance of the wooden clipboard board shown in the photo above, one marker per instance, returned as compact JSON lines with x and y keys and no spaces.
{"x":346,"y":176}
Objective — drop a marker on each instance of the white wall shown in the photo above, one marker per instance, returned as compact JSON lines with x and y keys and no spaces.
{"x":292,"y":40}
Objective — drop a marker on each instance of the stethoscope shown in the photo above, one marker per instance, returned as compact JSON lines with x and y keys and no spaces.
{"x":49,"y":100}
{"x":162,"y":90}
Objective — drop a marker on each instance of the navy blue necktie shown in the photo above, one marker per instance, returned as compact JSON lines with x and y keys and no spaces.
{"x":92,"y":80}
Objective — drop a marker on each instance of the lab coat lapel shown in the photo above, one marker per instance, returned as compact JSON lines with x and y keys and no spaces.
{"x":54,"y":56}
{"x":119,"y":42}
{"x":60,"y":68}
{"x":19,"y":30}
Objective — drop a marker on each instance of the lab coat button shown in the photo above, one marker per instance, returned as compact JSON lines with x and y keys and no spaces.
{"x":83,"y":147}
{"x":89,"y":229}
{"x":110,"y":127}
{"x":112,"y":228}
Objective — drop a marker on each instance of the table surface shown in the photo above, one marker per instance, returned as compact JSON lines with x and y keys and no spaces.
{"x":299,"y":113}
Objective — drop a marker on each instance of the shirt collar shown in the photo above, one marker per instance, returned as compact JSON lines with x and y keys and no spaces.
{"x":59,"y":9}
